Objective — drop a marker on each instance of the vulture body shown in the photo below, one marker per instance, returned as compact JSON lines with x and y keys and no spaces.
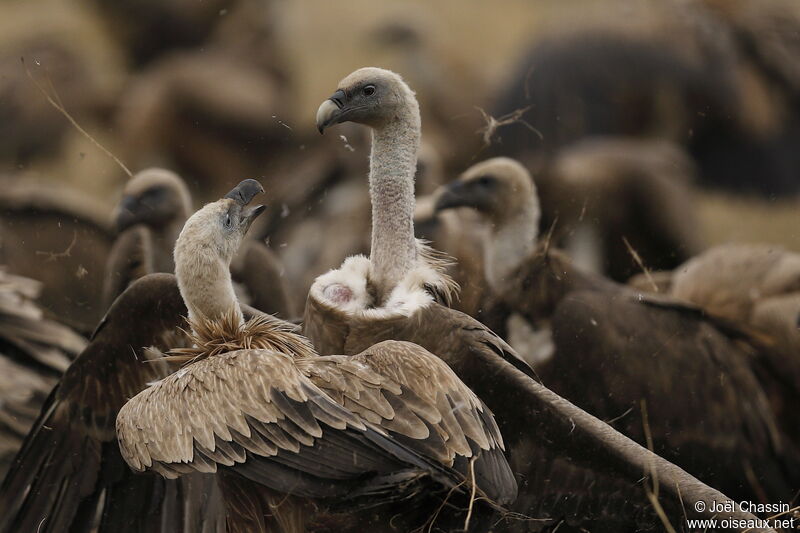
{"x":569,"y":464}
{"x":756,"y":286}
{"x":69,"y":474}
{"x":621,"y":354}
{"x":281,"y":424}
{"x":155,"y":203}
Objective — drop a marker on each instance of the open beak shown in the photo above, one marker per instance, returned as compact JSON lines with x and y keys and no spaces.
{"x":331,"y":110}
{"x":249,"y":216}
{"x":243,"y":194}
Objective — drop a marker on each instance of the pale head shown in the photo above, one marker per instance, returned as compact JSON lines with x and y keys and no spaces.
{"x":371,"y":96}
{"x":154,"y":197}
{"x":206,"y":246}
{"x":498,"y":188}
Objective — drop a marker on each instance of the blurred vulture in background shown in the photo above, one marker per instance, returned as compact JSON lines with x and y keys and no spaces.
{"x":607,"y":197}
{"x":555,"y":449}
{"x":69,"y":475}
{"x":65,"y":51}
{"x":154,"y":207}
{"x":34,"y":352}
{"x":155,"y":203}
{"x":653,"y":366}
{"x":60,"y":238}
{"x":149,"y":28}
{"x":719,"y":78}
{"x":215,"y":114}
{"x":756,"y":286}
{"x":407,"y":41}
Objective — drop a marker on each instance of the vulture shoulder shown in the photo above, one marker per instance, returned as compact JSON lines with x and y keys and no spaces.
{"x":69,"y":471}
{"x":729,"y":280}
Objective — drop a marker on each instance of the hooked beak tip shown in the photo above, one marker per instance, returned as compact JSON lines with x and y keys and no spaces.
{"x":328,"y":113}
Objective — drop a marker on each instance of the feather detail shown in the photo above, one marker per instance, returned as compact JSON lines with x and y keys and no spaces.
{"x":211,"y":337}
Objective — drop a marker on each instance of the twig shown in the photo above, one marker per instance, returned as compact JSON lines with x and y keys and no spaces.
{"x":648,"y":437}
{"x":63,"y":111}
{"x":680,"y":498}
{"x":52,"y":256}
{"x":444,"y":502}
{"x":549,"y":236}
{"x":609,"y":422}
{"x":472,"y":493}
{"x":638,"y":259}
{"x":493,"y":124}
{"x":652,"y":494}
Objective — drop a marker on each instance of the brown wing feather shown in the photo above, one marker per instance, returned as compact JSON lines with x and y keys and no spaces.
{"x":417,"y":398}
{"x":224,"y":408}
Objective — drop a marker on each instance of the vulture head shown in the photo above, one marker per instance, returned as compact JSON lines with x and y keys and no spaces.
{"x":498,"y":188}
{"x":154,"y":197}
{"x":206,"y":246}
{"x":371,"y":96}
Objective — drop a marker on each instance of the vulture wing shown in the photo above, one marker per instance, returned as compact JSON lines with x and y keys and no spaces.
{"x":255,"y":412}
{"x":416,"y":397}
{"x":69,"y":475}
{"x":568,"y":463}
{"x":614,"y":351}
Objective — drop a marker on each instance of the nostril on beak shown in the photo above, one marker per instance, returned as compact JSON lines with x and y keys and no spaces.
{"x":338,"y":98}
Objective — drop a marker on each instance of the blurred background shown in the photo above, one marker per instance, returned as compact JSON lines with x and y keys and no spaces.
{"x":679,"y":120}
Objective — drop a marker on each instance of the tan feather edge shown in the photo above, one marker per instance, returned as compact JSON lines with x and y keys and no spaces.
{"x":210,"y":337}
{"x":446,"y":287}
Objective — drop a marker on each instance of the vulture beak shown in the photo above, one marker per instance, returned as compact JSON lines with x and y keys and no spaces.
{"x":127,"y":213}
{"x":243,"y":194}
{"x":331,"y":111}
{"x":459,"y":194}
{"x":245,"y":191}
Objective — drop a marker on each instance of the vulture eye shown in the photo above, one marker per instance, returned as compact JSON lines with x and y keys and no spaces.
{"x":228,"y":220}
{"x":486,"y":181}
{"x":369,"y":90}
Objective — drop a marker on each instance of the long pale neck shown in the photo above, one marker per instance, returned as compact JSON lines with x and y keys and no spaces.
{"x":393,"y":163}
{"x":207,"y":288}
{"x":511,"y":243}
